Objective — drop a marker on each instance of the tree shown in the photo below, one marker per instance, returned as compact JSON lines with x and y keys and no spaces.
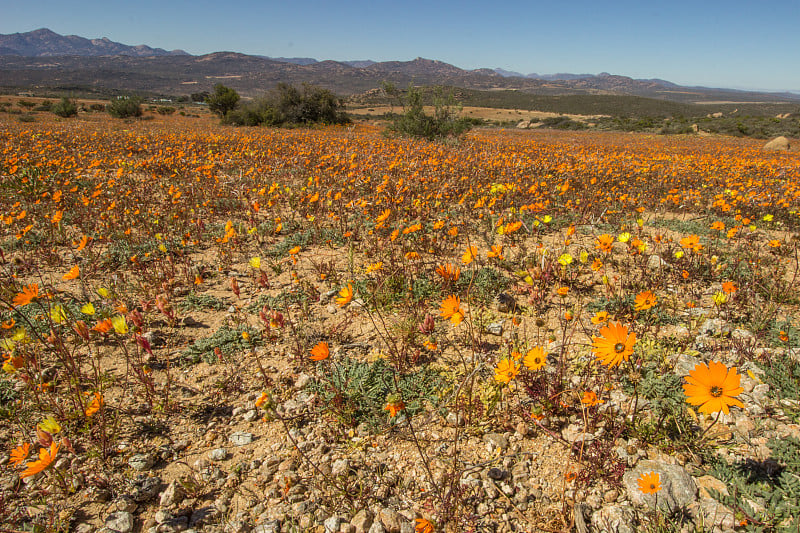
{"x":416,"y":123}
{"x":223,"y":100}
{"x":125,"y":107}
{"x":287,"y":105}
{"x":65,"y":108}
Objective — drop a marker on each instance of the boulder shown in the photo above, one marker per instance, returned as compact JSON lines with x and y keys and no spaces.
{"x":778,"y":144}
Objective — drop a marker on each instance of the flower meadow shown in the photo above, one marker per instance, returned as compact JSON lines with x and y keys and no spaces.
{"x":222,"y":329}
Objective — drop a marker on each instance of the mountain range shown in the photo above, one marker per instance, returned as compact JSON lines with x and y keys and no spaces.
{"x":43,"y":59}
{"x":47,"y":43}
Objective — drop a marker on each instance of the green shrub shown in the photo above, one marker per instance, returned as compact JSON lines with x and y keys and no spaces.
{"x":223,"y":100}
{"x":125,"y":107}
{"x":414,"y":122}
{"x":65,"y":108}
{"x":165,"y":110}
{"x":287,"y":105}
{"x":563,"y":123}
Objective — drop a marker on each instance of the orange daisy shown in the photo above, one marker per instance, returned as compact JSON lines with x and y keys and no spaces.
{"x":27,"y":295}
{"x":394,"y":408}
{"x":320,"y":352}
{"x":46,"y":457}
{"x":20,"y":453}
{"x":423,"y":526}
{"x":535,"y":358}
{"x":506,"y":370}
{"x":604,"y":243}
{"x":644,"y":300}
{"x":713,"y":388}
{"x":73,"y":273}
{"x":448,"y":272}
{"x":469,"y":255}
{"x":345,"y":295}
{"x":649,"y":483}
{"x":451,"y":308}
{"x":614,"y":344}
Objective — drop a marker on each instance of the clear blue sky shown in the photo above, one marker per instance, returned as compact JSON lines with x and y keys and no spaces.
{"x":734,"y":43}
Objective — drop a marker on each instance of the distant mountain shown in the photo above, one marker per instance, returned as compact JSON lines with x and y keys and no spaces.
{"x":43,"y":60}
{"x":293,"y":60}
{"x":46,"y":43}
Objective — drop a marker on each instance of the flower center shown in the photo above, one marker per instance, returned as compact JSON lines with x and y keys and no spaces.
{"x":716,"y":391}
{"x":619,"y":347}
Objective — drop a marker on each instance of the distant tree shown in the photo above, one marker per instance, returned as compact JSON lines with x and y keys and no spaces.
{"x":287,"y":105}
{"x":200,"y":97}
{"x":390,"y":90}
{"x":223,"y":100}
{"x":444,"y":122}
{"x":125,"y":107}
{"x":65,"y":108}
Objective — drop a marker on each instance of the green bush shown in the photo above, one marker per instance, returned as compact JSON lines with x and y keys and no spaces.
{"x":287,"y":105}
{"x":165,"y":110}
{"x":65,"y":108}
{"x":125,"y":107}
{"x":563,"y":123}
{"x":414,"y":122}
{"x":223,"y":100}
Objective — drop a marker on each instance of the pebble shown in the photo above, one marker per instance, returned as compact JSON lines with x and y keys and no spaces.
{"x":240,"y":438}
{"x":120,"y":522}
{"x":495,"y":442}
{"x":142,"y":461}
{"x":218,"y":454}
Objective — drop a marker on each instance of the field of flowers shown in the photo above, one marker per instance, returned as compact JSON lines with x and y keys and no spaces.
{"x":216,"y":329}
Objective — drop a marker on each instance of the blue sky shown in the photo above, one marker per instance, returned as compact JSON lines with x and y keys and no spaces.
{"x":735,"y":43}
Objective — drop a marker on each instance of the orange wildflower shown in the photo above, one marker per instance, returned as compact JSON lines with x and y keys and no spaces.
{"x":73,"y":273}
{"x":649,"y":483}
{"x":713,"y":388}
{"x":604,"y":243}
{"x":600,"y":317}
{"x":394,"y":407}
{"x":261,"y":399}
{"x":19,"y":454}
{"x":451,"y":308}
{"x":644,"y":300}
{"x":423,"y":526}
{"x":728,"y":287}
{"x":95,"y":405}
{"x":614,"y":344}
{"x":448,"y":271}
{"x":320,"y":352}
{"x":103,"y":326}
{"x":535,"y":358}
{"x":46,"y":457}
{"x":470,"y":255}
{"x":506,"y":370}
{"x":590,"y":398}
{"x":27,"y":295}
{"x":692,"y":242}
{"x":345,"y":295}
{"x":496,"y":251}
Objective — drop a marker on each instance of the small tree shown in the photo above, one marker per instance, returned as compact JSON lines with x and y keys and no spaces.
{"x":287,"y":105}
{"x":223,"y":100}
{"x":125,"y":107}
{"x":416,"y":123}
{"x":65,"y":108}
